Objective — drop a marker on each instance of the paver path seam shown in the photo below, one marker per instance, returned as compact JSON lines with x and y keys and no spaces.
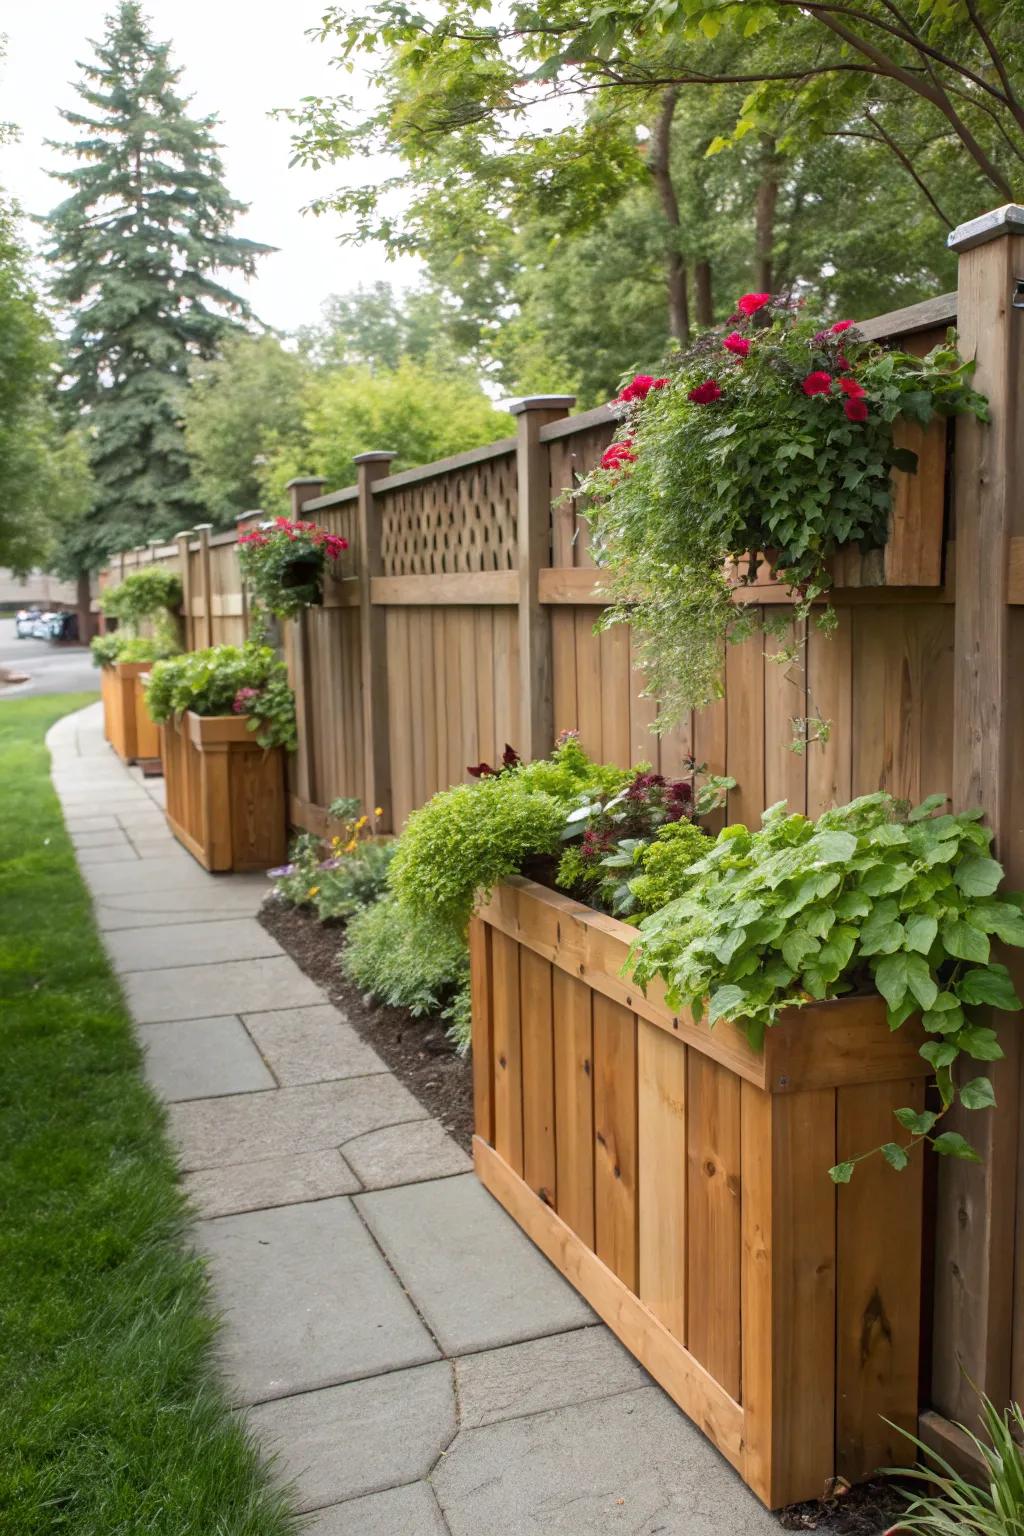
{"x":333,"y":1345}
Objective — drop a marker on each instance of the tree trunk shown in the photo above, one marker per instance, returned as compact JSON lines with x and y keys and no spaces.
{"x":658,"y":161}
{"x":704,"y":296}
{"x":764,"y":219}
{"x":86,"y":619}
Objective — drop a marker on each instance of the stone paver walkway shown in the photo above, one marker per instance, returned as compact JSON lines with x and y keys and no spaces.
{"x":417,"y":1366}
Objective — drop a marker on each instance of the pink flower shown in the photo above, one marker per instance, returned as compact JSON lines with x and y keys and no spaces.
{"x":639,"y":387}
{"x":852,"y":388}
{"x":737,"y":344}
{"x":618,"y":454}
{"x":817,"y":383}
{"x":706,"y":393}
{"x":840,"y":326}
{"x":750,"y":303}
{"x":856,"y":410}
{"x":243,"y":698}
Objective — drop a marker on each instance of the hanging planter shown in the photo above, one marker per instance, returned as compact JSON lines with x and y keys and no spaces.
{"x":283,"y":563}
{"x":774,"y":434}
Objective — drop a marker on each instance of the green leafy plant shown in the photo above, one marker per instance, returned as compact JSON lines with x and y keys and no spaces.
{"x":950,"y":1504}
{"x":468,"y":838}
{"x":223,"y":680}
{"x":869,"y":897}
{"x":144,"y":594}
{"x":118,"y":646}
{"x":338,"y":875}
{"x":608,"y":837}
{"x":283,"y":563}
{"x":410,"y":961}
{"x":772,"y":438}
{"x":662,"y":870}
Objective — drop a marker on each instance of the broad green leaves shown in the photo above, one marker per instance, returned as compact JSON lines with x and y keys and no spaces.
{"x":863,"y":899}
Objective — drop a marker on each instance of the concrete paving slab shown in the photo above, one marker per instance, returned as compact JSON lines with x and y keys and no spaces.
{"x":77,"y":824}
{"x":362,"y":1437}
{"x":631,"y":1464}
{"x":289,"y":1180}
{"x":408,"y":1511}
{"x":202,"y":1059}
{"x":114,"y":838}
{"x":307,"y":1302}
{"x":310,"y":1045}
{"x":475,"y":1277}
{"x":535,"y":1377}
{"x":216,"y":1132}
{"x":199,"y":991}
{"x":122,"y":853}
{"x":406,"y":1154}
{"x":157,"y":908}
{"x":190,"y":944}
{"x":155,"y":878}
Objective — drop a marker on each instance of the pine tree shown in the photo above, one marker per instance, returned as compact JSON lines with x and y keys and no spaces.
{"x":137,"y":246}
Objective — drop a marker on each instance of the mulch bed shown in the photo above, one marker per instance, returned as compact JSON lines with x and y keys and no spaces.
{"x":416,"y":1050}
{"x":421,"y":1057}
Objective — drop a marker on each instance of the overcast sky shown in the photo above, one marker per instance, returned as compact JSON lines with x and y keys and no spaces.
{"x":238,"y":61}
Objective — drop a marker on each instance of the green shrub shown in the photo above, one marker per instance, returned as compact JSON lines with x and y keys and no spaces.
{"x":223,"y":680}
{"x":868,"y":897}
{"x":409,"y":961}
{"x":468,"y":838}
{"x":144,"y":594}
{"x":950,"y":1505}
{"x":666,"y":865}
{"x":108,"y":649}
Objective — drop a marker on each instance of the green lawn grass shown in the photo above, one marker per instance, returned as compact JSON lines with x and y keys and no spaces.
{"x":111,"y":1420}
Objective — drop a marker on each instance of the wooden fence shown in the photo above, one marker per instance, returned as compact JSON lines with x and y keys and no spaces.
{"x":463,"y":617}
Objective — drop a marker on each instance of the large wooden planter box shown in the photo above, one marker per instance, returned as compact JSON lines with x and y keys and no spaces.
{"x":679,"y":1179}
{"x":126,"y":722}
{"x":225,"y":793}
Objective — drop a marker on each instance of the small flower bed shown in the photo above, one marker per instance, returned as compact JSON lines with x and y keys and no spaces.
{"x":338,"y":875}
{"x":283,"y":563}
{"x":224,"y":680}
{"x":773,"y":438}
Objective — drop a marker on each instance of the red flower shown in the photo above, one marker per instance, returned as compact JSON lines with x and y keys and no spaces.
{"x":852,"y":388}
{"x":640,"y":387}
{"x":818,"y":383}
{"x":840,"y":326}
{"x":705,"y":393}
{"x":618,"y":454}
{"x":856,"y":410}
{"x":750,"y":303}
{"x":737,"y":344}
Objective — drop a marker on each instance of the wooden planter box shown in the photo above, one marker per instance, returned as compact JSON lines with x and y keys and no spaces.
{"x":225,"y":793}
{"x":679,"y":1180}
{"x":126,"y":722}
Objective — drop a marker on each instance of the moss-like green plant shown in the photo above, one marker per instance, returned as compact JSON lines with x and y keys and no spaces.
{"x":666,"y":865}
{"x":412,"y":962}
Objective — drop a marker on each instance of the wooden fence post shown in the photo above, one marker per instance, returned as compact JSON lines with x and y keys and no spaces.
{"x":205,"y":581}
{"x":188,"y":628}
{"x":974,"y":1281}
{"x":370,"y":468}
{"x":533,"y":475}
{"x":300,"y":490}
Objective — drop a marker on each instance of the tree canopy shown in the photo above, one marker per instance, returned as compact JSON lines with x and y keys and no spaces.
{"x":138,"y":246}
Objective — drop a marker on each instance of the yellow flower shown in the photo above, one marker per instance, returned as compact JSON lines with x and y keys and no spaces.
{"x":351,"y":847}
{"x":335,"y":842}
{"x":379,"y":811}
{"x":360,"y":823}
{"x":314,"y":890}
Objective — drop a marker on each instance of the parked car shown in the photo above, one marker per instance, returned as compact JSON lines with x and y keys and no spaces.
{"x":24,"y":622}
{"x":64,"y":626}
{"x":41,"y":626}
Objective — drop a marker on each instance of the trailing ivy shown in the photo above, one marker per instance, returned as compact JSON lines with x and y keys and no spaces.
{"x":870,"y":897}
{"x":772,"y":438}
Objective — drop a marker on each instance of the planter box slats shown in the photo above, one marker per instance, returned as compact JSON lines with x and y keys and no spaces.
{"x":126,"y":722}
{"x":679,"y":1180}
{"x":225,"y":793}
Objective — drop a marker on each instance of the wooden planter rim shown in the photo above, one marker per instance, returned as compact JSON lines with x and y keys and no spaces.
{"x":130,"y":668}
{"x":824,"y":1045}
{"x":218,"y":730}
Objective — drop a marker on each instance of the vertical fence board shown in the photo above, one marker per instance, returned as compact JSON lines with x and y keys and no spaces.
{"x":615,"y":1130}
{"x":574,"y":1104}
{"x":661,"y":1122}
{"x":745,"y":702}
{"x":538,"y":1075}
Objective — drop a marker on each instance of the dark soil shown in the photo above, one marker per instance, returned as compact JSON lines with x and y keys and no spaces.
{"x":416,"y":1050}
{"x":422,"y":1058}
